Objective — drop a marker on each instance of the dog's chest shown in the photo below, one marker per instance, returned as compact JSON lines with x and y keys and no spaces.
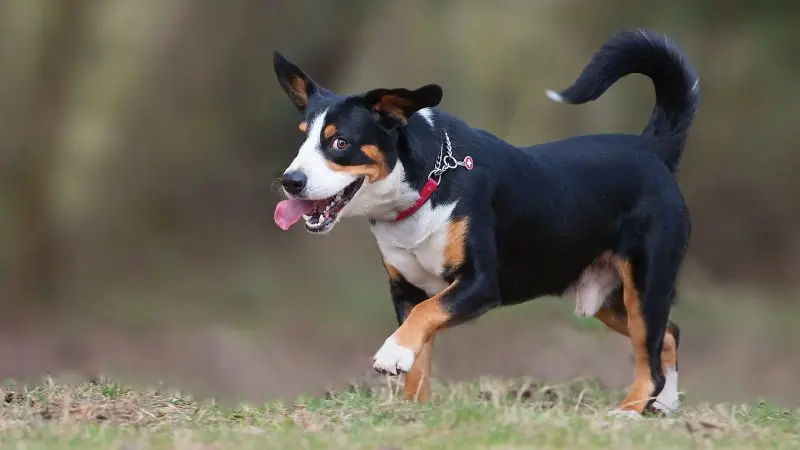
{"x":415,"y":247}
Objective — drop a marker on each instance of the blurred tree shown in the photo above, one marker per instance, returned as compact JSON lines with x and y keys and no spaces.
{"x":29,"y":167}
{"x":189,"y":105}
{"x":137,"y":131}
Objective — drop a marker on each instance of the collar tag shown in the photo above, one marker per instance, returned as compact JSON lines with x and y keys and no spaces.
{"x":468,"y":163}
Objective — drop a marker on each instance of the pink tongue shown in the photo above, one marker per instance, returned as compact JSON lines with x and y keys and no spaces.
{"x":288,"y":212}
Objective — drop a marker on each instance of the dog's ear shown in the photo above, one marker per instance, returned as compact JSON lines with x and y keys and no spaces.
{"x":395,"y":106}
{"x":297,"y":85}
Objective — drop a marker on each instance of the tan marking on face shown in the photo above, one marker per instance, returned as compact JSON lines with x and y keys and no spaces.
{"x":642,"y":388}
{"x":303,"y":126}
{"x":376,"y":155}
{"x":329,"y":131}
{"x":375,"y":171}
{"x":455,"y":250}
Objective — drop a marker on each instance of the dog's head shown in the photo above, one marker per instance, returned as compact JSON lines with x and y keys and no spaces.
{"x":348,"y":164}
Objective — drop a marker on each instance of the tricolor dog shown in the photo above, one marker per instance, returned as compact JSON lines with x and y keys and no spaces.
{"x":466,"y":222}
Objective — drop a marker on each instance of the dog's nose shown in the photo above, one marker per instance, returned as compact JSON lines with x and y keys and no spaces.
{"x":294,"y":181}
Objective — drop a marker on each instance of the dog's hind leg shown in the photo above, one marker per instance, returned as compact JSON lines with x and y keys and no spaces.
{"x":615,"y":318}
{"x":600,"y":292}
{"x":668,"y":400}
{"x":648,"y":282}
{"x":648,"y":380}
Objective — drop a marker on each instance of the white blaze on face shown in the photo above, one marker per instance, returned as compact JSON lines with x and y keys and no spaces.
{"x":322,"y":181}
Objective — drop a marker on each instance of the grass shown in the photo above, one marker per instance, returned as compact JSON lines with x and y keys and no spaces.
{"x":484,"y":414}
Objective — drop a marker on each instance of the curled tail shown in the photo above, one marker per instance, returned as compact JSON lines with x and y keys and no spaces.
{"x":657,"y":57}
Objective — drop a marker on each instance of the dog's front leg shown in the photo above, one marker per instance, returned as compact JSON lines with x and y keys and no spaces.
{"x":462,"y":299}
{"x":472,"y":291}
{"x":405,"y":296}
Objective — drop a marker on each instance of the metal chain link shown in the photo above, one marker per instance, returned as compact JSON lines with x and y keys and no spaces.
{"x":449,"y":161}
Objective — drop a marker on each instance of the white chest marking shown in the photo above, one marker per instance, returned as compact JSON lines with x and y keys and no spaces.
{"x":416,"y":246}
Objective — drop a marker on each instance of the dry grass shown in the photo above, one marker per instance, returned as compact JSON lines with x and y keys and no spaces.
{"x":484,"y":414}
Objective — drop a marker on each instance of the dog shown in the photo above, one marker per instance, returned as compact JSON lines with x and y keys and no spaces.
{"x":466,"y":222}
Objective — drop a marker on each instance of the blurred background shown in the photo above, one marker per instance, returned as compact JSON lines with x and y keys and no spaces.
{"x":140,"y":142}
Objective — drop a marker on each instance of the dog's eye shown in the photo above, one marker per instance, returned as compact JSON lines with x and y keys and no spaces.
{"x":340,"y":144}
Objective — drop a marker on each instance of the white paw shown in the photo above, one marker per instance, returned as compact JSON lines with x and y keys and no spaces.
{"x":621,"y":413}
{"x":393,"y":358}
{"x":668,"y":401}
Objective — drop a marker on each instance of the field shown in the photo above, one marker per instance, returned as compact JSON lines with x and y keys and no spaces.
{"x":484,"y":414}
{"x":735,"y":359}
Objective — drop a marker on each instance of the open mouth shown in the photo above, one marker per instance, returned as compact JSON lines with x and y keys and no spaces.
{"x":325,"y":212}
{"x":319,"y":215}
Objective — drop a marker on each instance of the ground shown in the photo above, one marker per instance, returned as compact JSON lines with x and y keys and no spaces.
{"x":247,"y":336}
{"x":488,"y":413}
{"x":732,"y":349}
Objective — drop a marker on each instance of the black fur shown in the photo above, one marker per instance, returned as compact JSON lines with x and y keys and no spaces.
{"x":675,"y":82}
{"x":540,"y":215}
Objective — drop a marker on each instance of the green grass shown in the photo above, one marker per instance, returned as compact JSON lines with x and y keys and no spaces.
{"x":484,"y":414}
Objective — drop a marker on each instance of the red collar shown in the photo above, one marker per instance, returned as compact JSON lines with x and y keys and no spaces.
{"x":445,"y":162}
{"x":424,"y":195}
{"x":429,"y":187}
